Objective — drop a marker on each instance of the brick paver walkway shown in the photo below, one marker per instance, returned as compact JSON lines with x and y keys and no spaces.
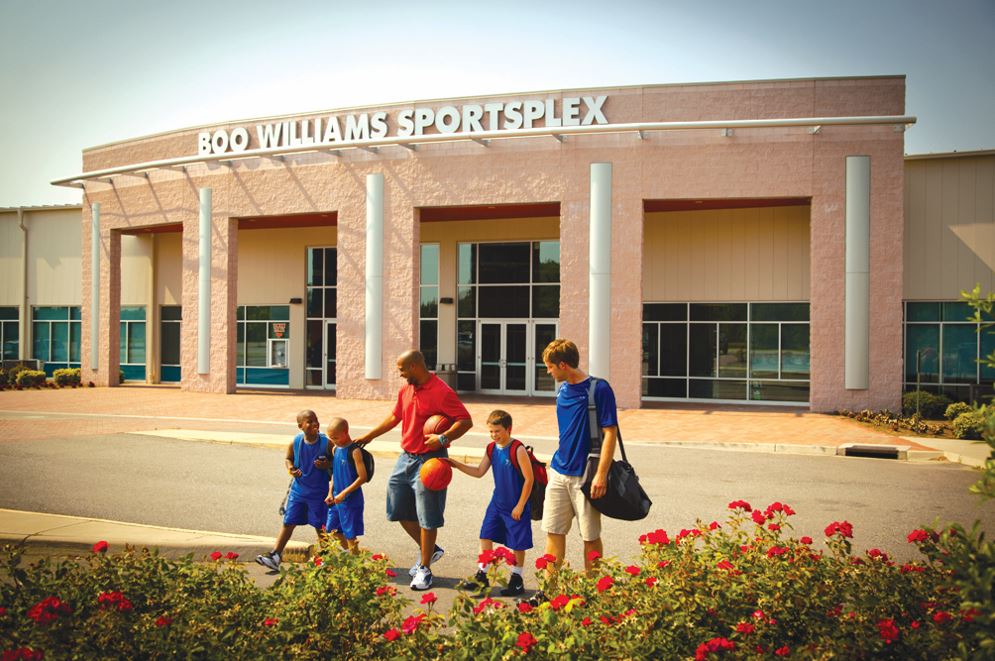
{"x":127,"y":408}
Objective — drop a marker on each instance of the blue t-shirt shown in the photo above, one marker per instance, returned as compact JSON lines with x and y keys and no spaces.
{"x":571,"y":417}
{"x":313,"y":482}
{"x":508,"y":480}
{"x":343,"y":474}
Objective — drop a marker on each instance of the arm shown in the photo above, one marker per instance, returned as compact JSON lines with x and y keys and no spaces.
{"x":289,"y":462}
{"x":361,"y":477}
{"x":388,"y":423}
{"x":458,"y":428}
{"x":599,"y":485}
{"x":478,"y":471}
{"x":330,"y":499}
{"x":526,"y":465}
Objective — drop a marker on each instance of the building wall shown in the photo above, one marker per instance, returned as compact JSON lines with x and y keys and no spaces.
{"x":757,"y":254}
{"x":169,"y":268}
{"x":949,"y":226}
{"x":11,"y":260}
{"x":54,"y":264}
{"x":779,"y":162}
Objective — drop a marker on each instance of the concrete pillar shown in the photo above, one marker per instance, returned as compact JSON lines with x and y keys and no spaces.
{"x":204,"y":285}
{"x":857,"y":280}
{"x":374,"y":276}
{"x":94,"y":285}
{"x":599,"y":360}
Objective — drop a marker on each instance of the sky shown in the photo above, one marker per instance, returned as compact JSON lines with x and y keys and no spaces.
{"x":81,"y":73}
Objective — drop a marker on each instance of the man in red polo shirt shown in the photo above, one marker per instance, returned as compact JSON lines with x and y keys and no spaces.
{"x":419,"y":510}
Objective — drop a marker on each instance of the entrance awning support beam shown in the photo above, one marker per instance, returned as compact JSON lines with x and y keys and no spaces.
{"x":599,"y":313}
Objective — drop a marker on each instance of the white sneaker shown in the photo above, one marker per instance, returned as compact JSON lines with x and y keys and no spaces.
{"x":436,"y":556}
{"x":270,"y":560}
{"x":422,"y":579}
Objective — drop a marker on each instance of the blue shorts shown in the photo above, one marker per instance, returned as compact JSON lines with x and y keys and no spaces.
{"x":301,"y":510}
{"x":345,"y":519}
{"x":407,"y":497}
{"x":500,"y":527}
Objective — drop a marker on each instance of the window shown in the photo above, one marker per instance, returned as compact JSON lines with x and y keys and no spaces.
{"x":261,"y":334}
{"x":170,"y":317}
{"x":428,"y":315}
{"x":56,"y":336}
{"x":943,"y":350}
{"x":10,"y":327}
{"x":133,"y":342}
{"x":322,"y":301}
{"x":728,"y":351}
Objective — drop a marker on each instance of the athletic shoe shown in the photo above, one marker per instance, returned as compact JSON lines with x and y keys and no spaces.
{"x":270,"y":560}
{"x":422,"y":579}
{"x":436,"y":556}
{"x":516,"y":586}
{"x":478,"y":583}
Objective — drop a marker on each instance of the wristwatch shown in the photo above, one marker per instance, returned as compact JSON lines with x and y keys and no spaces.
{"x":443,"y":440}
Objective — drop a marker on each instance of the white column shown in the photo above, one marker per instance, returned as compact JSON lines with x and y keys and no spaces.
{"x":374,"y":276}
{"x":599,"y":360}
{"x":857,"y":309}
{"x":204,"y":285}
{"x":95,"y":286}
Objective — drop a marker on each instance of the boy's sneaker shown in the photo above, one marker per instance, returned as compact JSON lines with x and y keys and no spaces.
{"x":422,"y":579}
{"x":516,"y":586}
{"x":478,"y":583}
{"x":436,"y":556}
{"x":269,"y":560}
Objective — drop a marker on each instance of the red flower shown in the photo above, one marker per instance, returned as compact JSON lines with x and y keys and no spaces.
{"x":429,"y":598}
{"x":919,"y":536}
{"x":605,"y":620}
{"x":633,"y":570}
{"x":592,"y":556}
{"x":100,"y":547}
{"x":391,"y":634}
{"x":3,"y":611}
{"x":586,"y":622}
{"x":658,"y":537}
{"x":888,"y":630}
{"x":915,"y":624}
{"x":740,"y":505}
{"x":759,"y":518}
{"x":725,"y":564}
{"x":386,"y":589}
{"x":23,"y":653}
{"x":745,"y":627}
{"x":545,"y":561}
{"x":377,"y":556}
{"x":662,"y":564}
{"x":714,"y":645}
{"x":806,"y":540}
{"x":231,"y":555}
{"x":525,"y":607}
{"x":48,"y":609}
{"x":163,"y":621}
{"x":559,"y":601}
{"x":486,"y":557}
{"x":758,"y":614}
{"x":911,"y":567}
{"x":776,"y":551}
{"x":970,"y":614}
{"x":484,"y":603}
{"x":526,"y":641}
{"x":317,"y":561}
{"x":941,"y":617}
{"x":628,"y":613}
{"x":714,"y":525}
{"x":773,"y":527}
{"x":844,"y":528}
{"x":782,"y":651}
{"x":604,"y":583}
{"x":651,"y":581}
{"x":410,"y":625}
{"x":878,"y":554}
{"x":390,"y":573}
{"x":270,"y":621}
{"x":216,"y":556}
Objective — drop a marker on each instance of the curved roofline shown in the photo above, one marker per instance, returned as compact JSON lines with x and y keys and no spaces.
{"x":479,"y":96}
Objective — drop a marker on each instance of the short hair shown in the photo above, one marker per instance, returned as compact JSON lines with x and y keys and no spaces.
{"x":561,"y":351}
{"x":304,"y":414}
{"x":338,"y":424}
{"x":499,"y":417}
{"x":412,"y":357}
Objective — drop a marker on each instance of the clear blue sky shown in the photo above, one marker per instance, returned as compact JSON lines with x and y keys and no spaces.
{"x":79,"y":73}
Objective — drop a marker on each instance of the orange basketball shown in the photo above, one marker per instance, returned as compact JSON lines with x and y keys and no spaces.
{"x":436,"y":474}
{"x":437,"y":424}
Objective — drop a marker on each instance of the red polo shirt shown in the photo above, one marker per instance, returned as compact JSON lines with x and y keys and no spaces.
{"x":416,"y":404}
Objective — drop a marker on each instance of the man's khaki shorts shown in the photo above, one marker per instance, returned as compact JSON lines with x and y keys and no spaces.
{"x":564,"y":501}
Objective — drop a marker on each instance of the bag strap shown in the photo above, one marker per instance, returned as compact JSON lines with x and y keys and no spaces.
{"x":595,"y":426}
{"x":297,"y":450}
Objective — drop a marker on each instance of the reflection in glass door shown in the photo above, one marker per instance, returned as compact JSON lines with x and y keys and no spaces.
{"x":509,"y":357}
{"x":329,"y":380}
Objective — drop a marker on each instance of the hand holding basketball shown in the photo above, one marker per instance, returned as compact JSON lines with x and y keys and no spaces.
{"x":437,"y":424}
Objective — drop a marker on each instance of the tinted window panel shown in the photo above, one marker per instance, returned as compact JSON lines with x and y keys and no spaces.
{"x":718,"y":312}
{"x":504,"y":262}
{"x":506,"y":301}
{"x":546,"y":301}
{"x":779,"y":312}
{"x":665,"y":312}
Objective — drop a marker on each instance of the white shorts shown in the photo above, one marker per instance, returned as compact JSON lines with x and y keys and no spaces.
{"x":564,"y":501}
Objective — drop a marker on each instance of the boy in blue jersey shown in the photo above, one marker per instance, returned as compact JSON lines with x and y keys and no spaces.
{"x":345,"y":493}
{"x":508,"y":519}
{"x":307,"y":462}
{"x":564,"y":498}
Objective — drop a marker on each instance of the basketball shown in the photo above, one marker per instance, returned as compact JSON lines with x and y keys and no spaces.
{"x":436,"y":474}
{"x":437,"y":424}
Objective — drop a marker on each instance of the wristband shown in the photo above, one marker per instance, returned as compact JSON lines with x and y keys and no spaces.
{"x":443,"y":440}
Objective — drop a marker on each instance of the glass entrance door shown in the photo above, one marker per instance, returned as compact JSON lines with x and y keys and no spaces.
{"x":329,"y":353}
{"x":507,"y":357}
{"x":320,"y":369}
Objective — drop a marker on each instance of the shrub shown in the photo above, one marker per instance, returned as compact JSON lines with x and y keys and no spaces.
{"x":66,"y":377}
{"x":3,"y":377}
{"x":956,"y":409}
{"x":969,"y":424}
{"x":31,"y":378}
{"x":14,"y":372}
{"x":931,"y":406}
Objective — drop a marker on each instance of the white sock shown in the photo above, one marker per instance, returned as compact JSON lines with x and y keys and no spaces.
{"x":482,"y":567}
{"x":516,"y":570}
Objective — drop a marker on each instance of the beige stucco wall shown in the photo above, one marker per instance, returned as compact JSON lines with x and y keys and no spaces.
{"x":949,"y":226}
{"x":449,"y":234}
{"x":136,"y":269}
{"x":169,"y":268}
{"x":11,"y":273}
{"x":701,"y":164}
{"x":757,"y":254}
{"x":54,"y":265}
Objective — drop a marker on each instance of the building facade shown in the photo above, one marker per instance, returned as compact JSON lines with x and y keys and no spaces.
{"x":756,"y":242}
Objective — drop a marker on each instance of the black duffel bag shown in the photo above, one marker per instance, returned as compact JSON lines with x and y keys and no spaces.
{"x":624,"y":497}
